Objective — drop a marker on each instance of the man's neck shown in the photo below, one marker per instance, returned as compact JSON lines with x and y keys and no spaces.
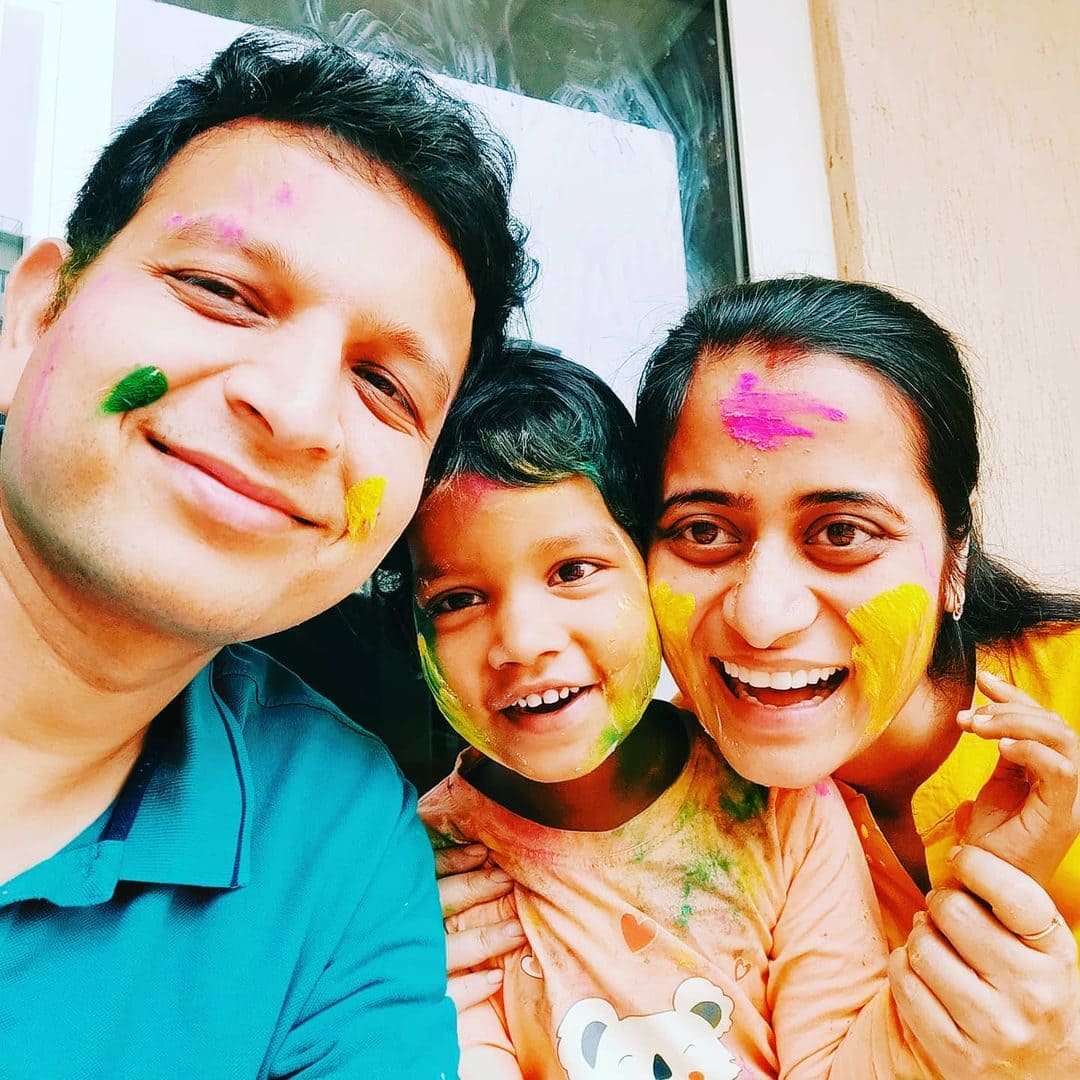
{"x":627,"y":782}
{"x":80,"y":690}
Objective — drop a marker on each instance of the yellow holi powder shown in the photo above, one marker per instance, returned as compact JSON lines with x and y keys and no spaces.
{"x":673,"y":611}
{"x":362,"y":502}
{"x":448,"y":702}
{"x":895,"y":633}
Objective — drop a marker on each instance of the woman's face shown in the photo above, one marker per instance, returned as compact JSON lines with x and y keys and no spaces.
{"x":797,"y":564}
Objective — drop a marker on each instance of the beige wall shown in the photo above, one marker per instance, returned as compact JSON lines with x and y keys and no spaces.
{"x":952,"y":135}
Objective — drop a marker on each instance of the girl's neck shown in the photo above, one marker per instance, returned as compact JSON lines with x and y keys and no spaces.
{"x":627,"y":782}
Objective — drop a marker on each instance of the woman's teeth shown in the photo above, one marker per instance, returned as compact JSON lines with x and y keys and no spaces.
{"x":779,"y":680}
{"x":548,"y":697}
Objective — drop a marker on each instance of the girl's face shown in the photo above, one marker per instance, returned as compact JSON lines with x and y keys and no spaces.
{"x":798,"y":562}
{"x":536,"y":634}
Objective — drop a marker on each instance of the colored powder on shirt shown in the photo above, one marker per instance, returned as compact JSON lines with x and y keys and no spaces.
{"x":762,"y":417}
{"x":137,"y":389}
{"x":742,"y":799}
{"x":895,"y":637}
{"x":362,"y":502}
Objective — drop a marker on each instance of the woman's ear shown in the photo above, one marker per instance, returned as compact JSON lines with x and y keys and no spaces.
{"x":28,"y":300}
{"x":956,"y":578}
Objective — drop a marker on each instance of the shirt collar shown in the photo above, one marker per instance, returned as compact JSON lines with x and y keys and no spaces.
{"x":183,"y":816}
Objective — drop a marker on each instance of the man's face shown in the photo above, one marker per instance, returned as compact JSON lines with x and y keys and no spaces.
{"x":311,"y":328}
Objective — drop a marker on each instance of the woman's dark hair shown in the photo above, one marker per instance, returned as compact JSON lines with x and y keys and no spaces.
{"x":396,"y":119}
{"x":900,"y":343}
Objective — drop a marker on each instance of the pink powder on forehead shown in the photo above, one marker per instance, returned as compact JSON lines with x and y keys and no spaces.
{"x":284,"y":194}
{"x":762,"y":417}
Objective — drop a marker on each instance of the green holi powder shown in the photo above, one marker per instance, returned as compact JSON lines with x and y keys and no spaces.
{"x":743,"y":800}
{"x":440,"y":840}
{"x":137,"y":389}
{"x":682,"y":920}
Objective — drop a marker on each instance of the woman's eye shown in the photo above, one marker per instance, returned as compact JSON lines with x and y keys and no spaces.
{"x":452,"y":602}
{"x":840,"y":534}
{"x":705,"y":533}
{"x":569,"y":572}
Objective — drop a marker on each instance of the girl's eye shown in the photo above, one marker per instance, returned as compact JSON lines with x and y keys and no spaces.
{"x":456,"y":601}
{"x":570,"y":572}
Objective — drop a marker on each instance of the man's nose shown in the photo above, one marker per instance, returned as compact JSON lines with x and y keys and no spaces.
{"x":527,"y":628}
{"x":772,"y":600}
{"x":292,"y":389}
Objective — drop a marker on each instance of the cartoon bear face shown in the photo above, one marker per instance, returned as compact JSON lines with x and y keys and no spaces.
{"x":594,"y":1044}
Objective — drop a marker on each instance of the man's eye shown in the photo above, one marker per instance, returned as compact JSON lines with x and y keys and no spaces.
{"x":704,"y":533}
{"x":376,"y":380}
{"x":456,"y":601}
{"x":217,"y":287}
{"x":569,"y":572}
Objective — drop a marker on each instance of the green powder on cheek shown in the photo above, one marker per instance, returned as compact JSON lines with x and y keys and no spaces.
{"x":448,"y":702}
{"x":137,"y":389}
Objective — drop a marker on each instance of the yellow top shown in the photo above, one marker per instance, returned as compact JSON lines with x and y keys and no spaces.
{"x":1044,"y":664}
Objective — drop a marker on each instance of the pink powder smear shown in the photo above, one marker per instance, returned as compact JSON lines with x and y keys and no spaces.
{"x":228,"y":229}
{"x":761,"y":417}
{"x":38,"y":395}
{"x":821,"y":788}
{"x":284,"y":194}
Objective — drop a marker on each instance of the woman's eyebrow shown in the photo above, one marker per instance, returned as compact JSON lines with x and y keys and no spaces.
{"x":870,"y":499}
{"x":708,"y":496}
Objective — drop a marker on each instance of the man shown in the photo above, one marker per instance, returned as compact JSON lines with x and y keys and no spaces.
{"x":221,"y":397}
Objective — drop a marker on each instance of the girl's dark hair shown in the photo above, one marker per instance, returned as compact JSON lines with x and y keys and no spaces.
{"x":538,"y":418}
{"x":541,"y":418}
{"x":900,"y":343}
{"x":393,"y":115}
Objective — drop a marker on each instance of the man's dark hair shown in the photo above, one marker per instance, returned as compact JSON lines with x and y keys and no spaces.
{"x":393,"y":117}
{"x":541,"y":419}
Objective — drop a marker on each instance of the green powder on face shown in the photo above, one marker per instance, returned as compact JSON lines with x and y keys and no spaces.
{"x":137,"y":389}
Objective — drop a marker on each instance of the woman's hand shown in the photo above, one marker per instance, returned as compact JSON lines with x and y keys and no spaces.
{"x":979,"y":999}
{"x":480,"y":922}
{"x":1028,"y":812}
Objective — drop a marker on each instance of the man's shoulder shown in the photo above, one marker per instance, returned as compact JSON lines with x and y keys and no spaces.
{"x":293,"y":732}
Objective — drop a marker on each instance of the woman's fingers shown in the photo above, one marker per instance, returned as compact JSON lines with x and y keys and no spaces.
{"x":468,"y":990}
{"x":459,"y":892}
{"x":470,"y":948}
{"x":997,"y":689}
{"x":1020,"y":904}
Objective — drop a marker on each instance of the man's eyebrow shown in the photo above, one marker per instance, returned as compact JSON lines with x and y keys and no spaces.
{"x":221,"y":232}
{"x":707,"y":496}
{"x":869,"y":499}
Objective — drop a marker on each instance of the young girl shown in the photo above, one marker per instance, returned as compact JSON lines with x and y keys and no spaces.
{"x":679,"y":921}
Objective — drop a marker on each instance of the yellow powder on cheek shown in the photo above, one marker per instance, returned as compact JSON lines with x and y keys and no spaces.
{"x":362,"y":502}
{"x":895,"y":636}
{"x":673,"y":611}
{"x":448,"y":702}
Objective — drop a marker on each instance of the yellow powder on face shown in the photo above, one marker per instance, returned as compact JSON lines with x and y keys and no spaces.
{"x":673,"y":611}
{"x":448,"y":702}
{"x":362,"y":502}
{"x":895,"y":636}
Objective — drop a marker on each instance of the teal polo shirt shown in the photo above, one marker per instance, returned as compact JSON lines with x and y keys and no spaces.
{"x":259,"y":901}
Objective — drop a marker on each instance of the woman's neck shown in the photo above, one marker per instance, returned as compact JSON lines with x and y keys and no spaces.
{"x":912,"y":747}
{"x":627,"y":782}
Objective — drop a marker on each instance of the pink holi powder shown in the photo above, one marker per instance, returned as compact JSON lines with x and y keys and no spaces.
{"x":38,"y":395}
{"x":821,"y":788}
{"x":175,"y":221}
{"x":229,"y":229}
{"x":284,"y":194}
{"x":761,"y":417}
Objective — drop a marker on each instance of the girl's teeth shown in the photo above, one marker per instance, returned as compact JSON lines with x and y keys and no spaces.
{"x":550,"y":697}
{"x":778,"y":680}
{"x":564,"y":693}
{"x":532,"y":700}
{"x":799,"y":679}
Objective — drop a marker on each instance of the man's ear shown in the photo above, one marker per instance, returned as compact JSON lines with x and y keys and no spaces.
{"x":28,"y":298}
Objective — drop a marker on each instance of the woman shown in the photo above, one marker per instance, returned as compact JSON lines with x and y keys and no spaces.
{"x":826,"y":604}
